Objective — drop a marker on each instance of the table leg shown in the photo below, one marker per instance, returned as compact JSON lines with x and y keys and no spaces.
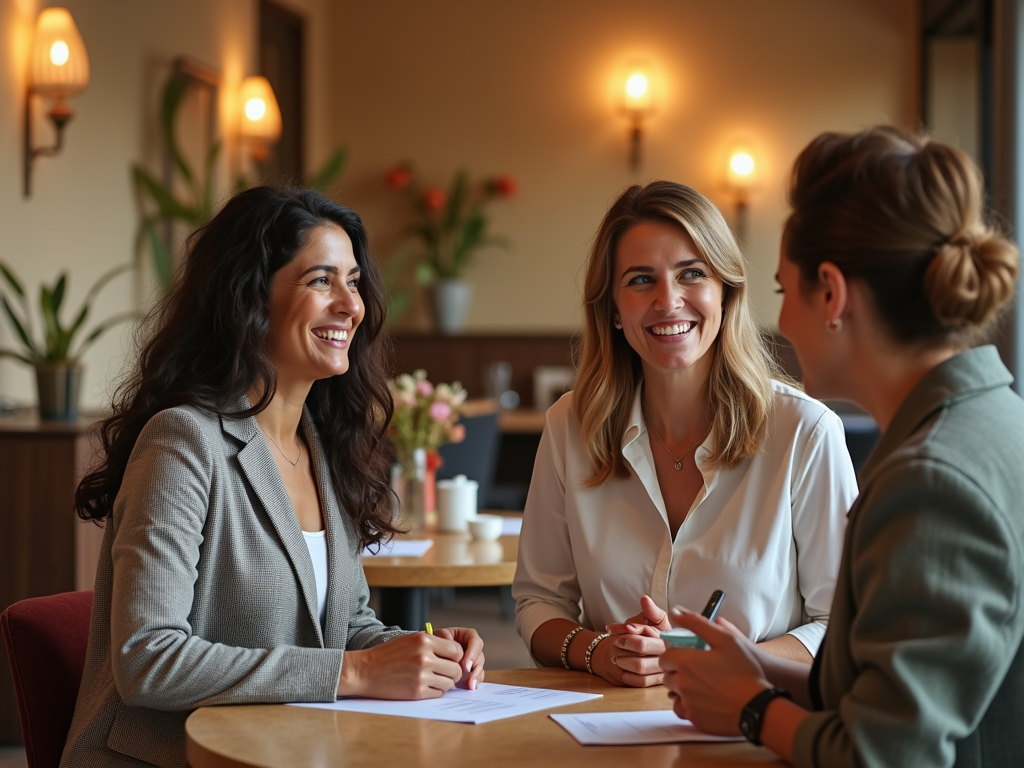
{"x":408,"y":607}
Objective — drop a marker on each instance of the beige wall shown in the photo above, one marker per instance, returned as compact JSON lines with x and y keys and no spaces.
{"x":524,"y":88}
{"x":494,"y":87}
{"x":81,"y":215}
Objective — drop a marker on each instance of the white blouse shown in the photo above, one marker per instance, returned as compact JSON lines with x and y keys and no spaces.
{"x":769,"y":531}
{"x":316,"y":543}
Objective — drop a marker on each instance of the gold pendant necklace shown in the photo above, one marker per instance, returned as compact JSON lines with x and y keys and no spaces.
{"x":678,"y":460}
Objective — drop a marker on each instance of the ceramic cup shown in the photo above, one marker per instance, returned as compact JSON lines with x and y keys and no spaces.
{"x":456,"y":503}
{"x":485,"y":527}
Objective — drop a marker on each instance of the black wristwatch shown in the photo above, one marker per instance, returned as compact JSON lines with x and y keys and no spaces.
{"x":753,"y":714}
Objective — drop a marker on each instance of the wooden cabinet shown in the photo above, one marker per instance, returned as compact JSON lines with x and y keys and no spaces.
{"x":44,"y":548}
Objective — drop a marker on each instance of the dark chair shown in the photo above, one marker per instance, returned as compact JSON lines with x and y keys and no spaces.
{"x":46,"y":639}
{"x":475,"y":457}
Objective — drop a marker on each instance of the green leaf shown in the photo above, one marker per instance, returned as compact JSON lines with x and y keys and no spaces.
{"x":332,"y":168}
{"x":16,"y":356}
{"x":51,"y":326}
{"x":161,"y":256}
{"x":425,"y":273}
{"x":99,"y":330}
{"x":58,"y":293}
{"x":455,"y":197}
{"x":20,"y":330}
{"x":206,"y":201}
{"x":174,"y":93}
{"x":168,"y":205}
{"x":398,"y":303}
{"x":11,"y":279}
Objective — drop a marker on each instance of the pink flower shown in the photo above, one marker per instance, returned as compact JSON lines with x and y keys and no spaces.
{"x":398,"y":178}
{"x":440,"y":411}
{"x":425,"y":388}
{"x":435,"y":199}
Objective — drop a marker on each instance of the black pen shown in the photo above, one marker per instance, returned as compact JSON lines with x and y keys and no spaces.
{"x":714,"y":603}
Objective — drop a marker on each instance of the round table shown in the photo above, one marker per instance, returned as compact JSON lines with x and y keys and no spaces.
{"x":454,"y":560}
{"x":278,"y":736}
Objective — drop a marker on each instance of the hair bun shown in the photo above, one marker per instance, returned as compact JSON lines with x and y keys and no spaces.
{"x":970,"y":278}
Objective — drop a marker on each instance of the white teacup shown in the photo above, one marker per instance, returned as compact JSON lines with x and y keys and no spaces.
{"x":485,"y":527}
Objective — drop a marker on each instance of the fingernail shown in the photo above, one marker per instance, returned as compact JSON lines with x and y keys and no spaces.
{"x":678,"y":609}
{"x":472,"y":685}
{"x":469,"y":665}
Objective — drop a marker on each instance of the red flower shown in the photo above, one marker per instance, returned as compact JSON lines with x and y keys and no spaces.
{"x":398,"y":178}
{"x":504,"y":186}
{"x":435,"y":199}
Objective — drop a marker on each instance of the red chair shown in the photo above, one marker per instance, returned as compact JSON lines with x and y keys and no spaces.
{"x":46,"y":639}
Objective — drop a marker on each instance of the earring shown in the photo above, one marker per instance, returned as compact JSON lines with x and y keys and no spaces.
{"x":617,"y":325}
{"x":834,"y":326}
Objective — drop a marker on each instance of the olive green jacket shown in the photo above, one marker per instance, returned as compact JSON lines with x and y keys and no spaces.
{"x":922,"y":662}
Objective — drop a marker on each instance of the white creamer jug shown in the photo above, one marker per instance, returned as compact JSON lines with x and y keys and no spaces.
{"x":456,"y":503}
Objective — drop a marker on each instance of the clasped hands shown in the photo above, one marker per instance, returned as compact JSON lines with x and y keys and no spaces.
{"x":415,"y":666}
{"x":722,"y":679}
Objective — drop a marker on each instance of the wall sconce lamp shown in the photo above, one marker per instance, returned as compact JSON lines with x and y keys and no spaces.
{"x":741,"y":181}
{"x":261,"y":117}
{"x":58,"y":69}
{"x":638,"y":105}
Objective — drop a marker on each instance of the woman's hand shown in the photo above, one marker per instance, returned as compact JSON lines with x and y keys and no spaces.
{"x":650,"y":616}
{"x":472,"y":661}
{"x":413,"y":666}
{"x":711,"y":687}
{"x":630,"y":655}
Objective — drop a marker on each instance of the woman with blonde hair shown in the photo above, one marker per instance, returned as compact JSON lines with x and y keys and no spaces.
{"x":680,"y":464}
{"x":891,"y":276}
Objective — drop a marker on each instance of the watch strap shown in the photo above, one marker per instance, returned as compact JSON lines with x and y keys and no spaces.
{"x":752,"y":715}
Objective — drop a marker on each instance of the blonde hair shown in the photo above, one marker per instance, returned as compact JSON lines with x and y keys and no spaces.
{"x":739,"y":386}
{"x":904,"y":215}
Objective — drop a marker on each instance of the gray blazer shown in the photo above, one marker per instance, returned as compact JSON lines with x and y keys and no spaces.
{"x":922,"y":663}
{"x":205,"y":592}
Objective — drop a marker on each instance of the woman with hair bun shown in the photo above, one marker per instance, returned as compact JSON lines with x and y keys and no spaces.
{"x":244,"y":469}
{"x":681,"y":463}
{"x":892,"y":278}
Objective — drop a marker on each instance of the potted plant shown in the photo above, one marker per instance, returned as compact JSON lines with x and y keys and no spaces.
{"x":451,"y":228}
{"x":55,"y":356}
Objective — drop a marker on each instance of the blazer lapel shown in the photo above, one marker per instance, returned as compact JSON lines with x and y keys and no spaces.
{"x":261,"y":471}
{"x":339,"y":541}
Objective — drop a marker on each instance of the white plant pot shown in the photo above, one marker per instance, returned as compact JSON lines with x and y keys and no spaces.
{"x":452,"y":298}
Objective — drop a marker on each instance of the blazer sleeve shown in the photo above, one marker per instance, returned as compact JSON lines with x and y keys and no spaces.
{"x":824,"y":488}
{"x":158,"y":662}
{"x":936,"y":574}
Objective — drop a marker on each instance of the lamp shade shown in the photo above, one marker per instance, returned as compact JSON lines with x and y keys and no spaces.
{"x":60,"y":65}
{"x":261,"y":117}
{"x":742,"y":169}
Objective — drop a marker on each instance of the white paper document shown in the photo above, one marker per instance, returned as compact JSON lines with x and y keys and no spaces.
{"x":654,"y":727}
{"x":488,"y":702}
{"x":401,"y":548}
{"x":511,"y":526}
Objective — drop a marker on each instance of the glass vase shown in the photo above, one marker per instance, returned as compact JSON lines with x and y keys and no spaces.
{"x":412,"y":501}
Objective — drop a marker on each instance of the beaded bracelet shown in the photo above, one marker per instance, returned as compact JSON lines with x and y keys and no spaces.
{"x":565,"y":647}
{"x":592,"y":646}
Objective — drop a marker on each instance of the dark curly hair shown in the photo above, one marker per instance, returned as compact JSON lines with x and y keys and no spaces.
{"x":208,"y":349}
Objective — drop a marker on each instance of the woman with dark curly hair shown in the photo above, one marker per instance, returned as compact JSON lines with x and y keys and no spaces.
{"x":244,"y":471}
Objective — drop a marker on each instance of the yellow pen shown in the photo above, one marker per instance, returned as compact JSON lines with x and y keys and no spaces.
{"x":430,"y":629}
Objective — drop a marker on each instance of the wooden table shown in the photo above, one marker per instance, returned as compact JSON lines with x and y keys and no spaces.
{"x":276,"y":736}
{"x":455,"y":560}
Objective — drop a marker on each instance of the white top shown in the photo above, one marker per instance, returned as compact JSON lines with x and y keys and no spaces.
{"x":769,"y":531}
{"x":316,"y":543}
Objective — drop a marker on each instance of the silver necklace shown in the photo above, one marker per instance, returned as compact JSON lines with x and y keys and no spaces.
{"x":678,"y":461}
{"x":299,"y":445}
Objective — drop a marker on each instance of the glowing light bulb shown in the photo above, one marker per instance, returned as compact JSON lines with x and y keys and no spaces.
{"x":255,"y":109}
{"x":636,"y":85}
{"x":59,"y":53}
{"x":742,"y":164}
